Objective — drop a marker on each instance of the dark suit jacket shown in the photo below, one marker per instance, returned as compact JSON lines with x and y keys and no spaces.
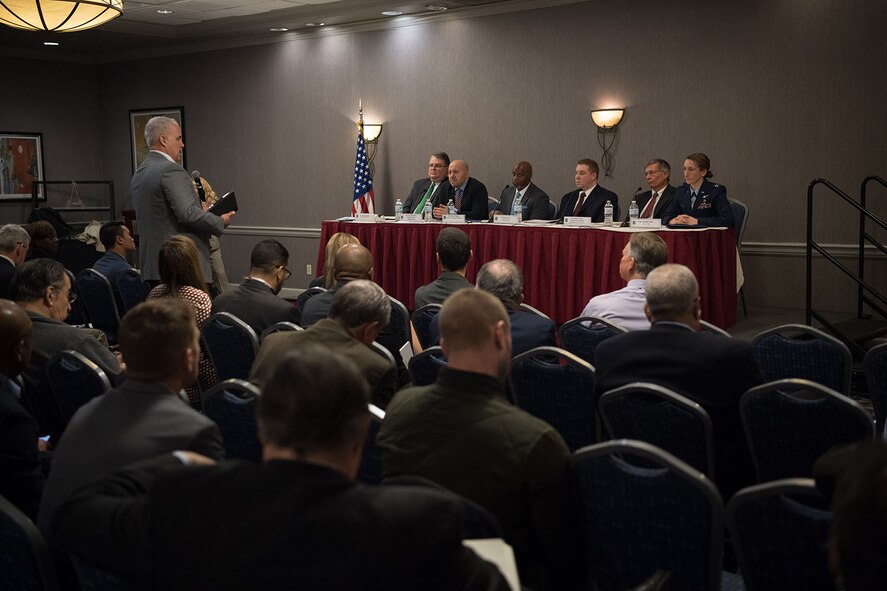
{"x":440,"y":289}
{"x":21,"y":471}
{"x":253,"y":302}
{"x":474,"y":200}
{"x":534,"y":205}
{"x":710,"y":369}
{"x":528,"y":331}
{"x":7,"y":270}
{"x":278,"y":525}
{"x":418,"y":190}
{"x":711,"y":208}
{"x":594,"y":204}
{"x":664,"y":200}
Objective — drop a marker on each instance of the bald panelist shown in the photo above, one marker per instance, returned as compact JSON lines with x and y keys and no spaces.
{"x":469,"y":195}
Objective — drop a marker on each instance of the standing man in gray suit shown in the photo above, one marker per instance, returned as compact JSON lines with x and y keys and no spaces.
{"x":166,"y":202}
{"x":534,"y":201}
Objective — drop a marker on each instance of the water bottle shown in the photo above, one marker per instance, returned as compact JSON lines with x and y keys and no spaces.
{"x":398,"y":210}
{"x":451,"y":207}
{"x":426,"y":212}
{"x":633,"y":213}
{"x":608,"y":212}
{"x":518,"y":210}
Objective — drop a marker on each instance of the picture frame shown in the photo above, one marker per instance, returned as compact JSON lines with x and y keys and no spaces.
{"x":137,"y":120}
{"x":21,"y":165}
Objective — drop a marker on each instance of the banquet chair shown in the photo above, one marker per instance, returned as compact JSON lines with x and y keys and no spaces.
{"x":25,"y":561}
{"x":799,"y":351}
{"x":557,"y":387}
{"x":131,"y":288}
{"x":665,"y":517}
{"x":780,"y":530}
{"x":421,"y":321}
{"x":397,"y":332}
{"x":875,"y":364}
{"x":660,"y":417}
{"x":740,"y":219}
{"x":77,"y":315}
{"x":425,"y":366}
{"x":581,"y":336}
{"x":370,"y":469}
{"x":232,"y":406}
{"x":231,"y":345}
{"x":528,"y":308}
{"x":280,"y":327}
{"x":788,"y":424}
{"x":94,"y":290}
{"x":709,"y":327}
{"x":74,"y":380}
{"x":307,"y":295}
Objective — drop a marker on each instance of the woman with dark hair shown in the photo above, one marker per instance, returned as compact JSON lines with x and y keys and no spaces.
{"x":181,"y":277}
{"x":44,"y":241}
{"x":699,"y":202}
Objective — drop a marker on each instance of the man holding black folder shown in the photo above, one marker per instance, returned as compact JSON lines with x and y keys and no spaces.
{"x":166,"y":202}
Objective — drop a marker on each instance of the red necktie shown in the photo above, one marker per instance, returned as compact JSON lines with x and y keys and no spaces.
{"x":651,"y":204}
{"x":579,"y":203}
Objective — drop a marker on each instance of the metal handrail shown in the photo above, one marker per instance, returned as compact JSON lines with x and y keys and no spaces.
{"x":863,"y":236}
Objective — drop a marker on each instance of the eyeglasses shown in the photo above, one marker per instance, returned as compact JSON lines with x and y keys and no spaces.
{"x":72,"y":295}
{"x":286,"y":272}
{"x":437,"y":166}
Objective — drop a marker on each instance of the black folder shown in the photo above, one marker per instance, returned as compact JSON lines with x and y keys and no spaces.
{"x":228,"y":202}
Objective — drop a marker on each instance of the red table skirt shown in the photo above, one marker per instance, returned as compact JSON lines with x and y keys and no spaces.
{"x":563,"y":267}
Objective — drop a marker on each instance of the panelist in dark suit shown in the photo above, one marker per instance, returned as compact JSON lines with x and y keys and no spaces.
{"x":307,"y":523}
{"x":14,"y":243}
{"x":589,"y":198}
{"x":534,"y":201}
{"x":699,"y":202}
{"x":468,"y":194}
{"x":710,"y":369}
{"x":657,"y":173}
{"x":431,"y":188}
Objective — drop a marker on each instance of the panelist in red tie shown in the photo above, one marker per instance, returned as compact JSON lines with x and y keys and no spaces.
{"x":589,"y":198}
{"x":652,"y":203}
{"x":469,"y":195}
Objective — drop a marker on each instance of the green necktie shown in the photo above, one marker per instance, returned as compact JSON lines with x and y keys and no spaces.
{"x":425,"y":198}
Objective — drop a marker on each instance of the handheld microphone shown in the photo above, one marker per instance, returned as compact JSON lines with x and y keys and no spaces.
{"x":200,"y":192}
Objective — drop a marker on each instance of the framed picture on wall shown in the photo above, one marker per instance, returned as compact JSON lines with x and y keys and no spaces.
{"x":137,"y":120}
{"x":21,"y":165}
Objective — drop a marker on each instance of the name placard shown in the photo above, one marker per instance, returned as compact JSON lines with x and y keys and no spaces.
{"x":577,"y":221}
{"x":365,"y":218}
{"x":454,"y":219}
{"x":411,"y":217}
{"x":506,"y":219}
{"x":647,"y":223}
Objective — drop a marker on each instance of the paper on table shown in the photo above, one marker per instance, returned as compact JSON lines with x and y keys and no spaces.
{"x":495,"y":550}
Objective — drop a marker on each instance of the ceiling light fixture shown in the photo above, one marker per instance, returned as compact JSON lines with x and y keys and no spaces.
{"x":51,"y":43}
{"x":58,"y":15}
{"x":278,"y":29}
{"x":436,"y":7}
{"x":392,"y":12}
{"x":314,"y":24}
{"x":166,"y":11}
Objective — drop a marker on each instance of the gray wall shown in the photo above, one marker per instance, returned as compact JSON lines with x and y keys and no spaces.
{"x":776,"y":93}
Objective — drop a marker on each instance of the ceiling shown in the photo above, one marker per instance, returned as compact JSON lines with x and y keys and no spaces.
{"x":195,"y":25}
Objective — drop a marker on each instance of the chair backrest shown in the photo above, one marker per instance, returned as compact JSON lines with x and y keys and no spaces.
{"x":74,"y":381}
{"x":528,"y":308}
{"x":552,"y":210}
{"x":581,"y":336}
{"x":637,"y":520}
{"x":370,"y":469}
{"x":398,"y":330}
{"x":875,"y":364}
{"x":790,"y":423}
{"x":95,"y":578}
{"x":661,"y":417}
{"x":380,"y":349}
{"x":425,"y":366}
{"x":231,"y":344}
{"x":25,"y":561}
{"x":77,"y":315}
{"x":280,"y":327}
{"x":740,"y":219}
{"x":780,"y":532}
{"x":799,"y":351}
{"x":422,"y":320}
{"x":131,"y":288}
{"x":709,"y":327}
{"x":232,"y":405}
{"x":98,"y":299}
{"x":557,"y":387}
{"x":307,"y":295}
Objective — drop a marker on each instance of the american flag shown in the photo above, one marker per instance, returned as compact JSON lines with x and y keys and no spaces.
{"x":363,"y":180}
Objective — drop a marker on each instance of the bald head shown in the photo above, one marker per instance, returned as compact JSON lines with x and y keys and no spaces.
{"x":353,"y":261}
{"x":673,"y":294}
{"x":15,"y":347}
{"x":457,"y":173}
{"x":521,"y":175}
{"x":503,"y":279}
{"x":475,"y":332}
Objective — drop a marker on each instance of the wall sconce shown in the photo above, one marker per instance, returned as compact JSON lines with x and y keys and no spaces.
{"x":606,"y":121}
{"x":58,"y":15}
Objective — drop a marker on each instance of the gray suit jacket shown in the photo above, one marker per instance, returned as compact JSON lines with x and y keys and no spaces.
{"x":534,"y":205}
{"x":167,"y":204}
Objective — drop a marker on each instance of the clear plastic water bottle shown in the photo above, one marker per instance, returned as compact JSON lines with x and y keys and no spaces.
{"x":451,"y":207}
{"x":398,"y":210}
{"x":633,"y":213}
{"x":426,"y":212}
{"x":518,"y":210}
{"x":608,"y":212}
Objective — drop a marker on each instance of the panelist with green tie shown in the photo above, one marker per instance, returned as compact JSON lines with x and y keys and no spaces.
{"x":428,"y":189}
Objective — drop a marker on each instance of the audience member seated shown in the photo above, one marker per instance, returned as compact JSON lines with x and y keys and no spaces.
{"x":534,"y":201}
{"x":504,"y":279}
{"x":705,"y":367}
{"x":145,"y":415}
{"x":359,"y":309}
{"x":468,"y":194}
{"x":181,"y":278}
{"x":298,"y":520}
{"x":336,"y":241}
{"x":116,"y":239}
{"x":352,"y":262}
{"x":644,"y":252}
{"x":462,"y":433}
{"x":44,"y":240}
{"x":589,"y":198}
{"x":453,"y":254}
{"x":43,"y":289}
{"x":14,"y":243}
{"x":699,"y":202}
{"x":255,"y":301}
{"x":21,"y":471}
{"x":432,"y":189}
